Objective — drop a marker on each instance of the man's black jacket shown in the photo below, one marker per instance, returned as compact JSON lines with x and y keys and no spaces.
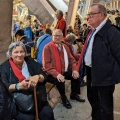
{"x":106,"y":56}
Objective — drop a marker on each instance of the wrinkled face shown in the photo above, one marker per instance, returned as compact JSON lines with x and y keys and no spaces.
{"x":94,"y":16}
{"x":18,"y":54}
{"x":57,"y":36}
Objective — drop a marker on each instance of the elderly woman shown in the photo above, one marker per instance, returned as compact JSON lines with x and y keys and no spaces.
{"x":21,"y":73}
{"x":70,"y":39}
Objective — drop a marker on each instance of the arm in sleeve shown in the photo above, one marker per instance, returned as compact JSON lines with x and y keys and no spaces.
{"x":5,"y":76}
{"x":114,"y":43}
{"x":47,"y":62}
{"x":62,"y":25}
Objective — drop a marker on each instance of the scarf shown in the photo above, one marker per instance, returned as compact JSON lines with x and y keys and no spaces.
{"x":16,"y":71}
{"x":57,"y":57}
{"x":82,"y":53}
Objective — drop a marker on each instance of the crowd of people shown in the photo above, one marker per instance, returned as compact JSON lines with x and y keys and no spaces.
{"x":62,"y":53}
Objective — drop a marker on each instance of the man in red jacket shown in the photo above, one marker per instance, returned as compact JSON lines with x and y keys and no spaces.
{"x":61,"y":24}
{"x":59,"y":64}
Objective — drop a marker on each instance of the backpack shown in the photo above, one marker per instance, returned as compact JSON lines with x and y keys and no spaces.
{"x":37,"y":50}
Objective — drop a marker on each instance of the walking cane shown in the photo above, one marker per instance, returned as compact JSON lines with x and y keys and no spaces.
{"x":35,"y":100}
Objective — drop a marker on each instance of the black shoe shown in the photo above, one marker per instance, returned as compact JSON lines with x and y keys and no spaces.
{"x":83,"y":84}
{"x":66,"y":103}
{"x":77,"y":98}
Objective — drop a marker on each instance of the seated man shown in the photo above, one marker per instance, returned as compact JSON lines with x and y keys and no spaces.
{"x":56,"y":58}
{"x":20,"y":35}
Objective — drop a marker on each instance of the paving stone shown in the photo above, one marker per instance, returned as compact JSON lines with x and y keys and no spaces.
{"x":82,"y":111}
{"x":79,"y":111}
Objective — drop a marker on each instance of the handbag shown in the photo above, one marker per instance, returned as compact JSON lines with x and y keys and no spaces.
{"x":25,"y":101}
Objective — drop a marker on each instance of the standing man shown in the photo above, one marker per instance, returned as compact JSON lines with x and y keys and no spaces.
{"x":41,"y":42}
{"x":61,"y":24}
{"x":102,"y":60}
{"x":56,"y":61}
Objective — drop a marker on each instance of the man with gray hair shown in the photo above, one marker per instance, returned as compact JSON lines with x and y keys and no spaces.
{"x":61,"y":24}
{"x":56,"y":61}
{"x":102,"y":60}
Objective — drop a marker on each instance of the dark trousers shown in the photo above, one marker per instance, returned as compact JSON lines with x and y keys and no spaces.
{"x":75,"y":85}
{"x":101,"y":99}
{"x":46,"y":113}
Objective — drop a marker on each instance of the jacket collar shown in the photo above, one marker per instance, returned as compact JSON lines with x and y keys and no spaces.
{"x":102,"y":31}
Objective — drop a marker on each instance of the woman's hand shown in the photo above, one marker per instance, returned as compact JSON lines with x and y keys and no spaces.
{"x":29,"y":82}
{"x":24,"y":85}
{"x":33,"y":80}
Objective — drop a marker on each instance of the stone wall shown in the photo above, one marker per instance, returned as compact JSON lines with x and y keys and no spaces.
{"x":6,"y":7}
{"x":36,"y":7}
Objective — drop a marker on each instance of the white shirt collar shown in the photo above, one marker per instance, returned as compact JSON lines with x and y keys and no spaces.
{"x":101,"y":25}
{"x":89,"y":49}
{"x":58,"y":44}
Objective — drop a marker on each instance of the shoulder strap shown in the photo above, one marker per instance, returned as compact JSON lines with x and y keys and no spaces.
{"x":39,"y":45}
{"x":42,"y":41}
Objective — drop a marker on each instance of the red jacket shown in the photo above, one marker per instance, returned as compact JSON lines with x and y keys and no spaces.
{"x":49,"y":63}
{"x":61,"y":24}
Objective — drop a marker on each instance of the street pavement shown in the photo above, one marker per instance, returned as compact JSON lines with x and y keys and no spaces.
{"x":82,"y":111}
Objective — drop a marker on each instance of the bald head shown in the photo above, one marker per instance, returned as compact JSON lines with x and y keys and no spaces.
{"x":57,"y":36}
{"x":58,"y":31}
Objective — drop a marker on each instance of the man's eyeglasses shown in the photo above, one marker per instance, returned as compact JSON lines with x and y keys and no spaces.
{"x":57,"y":35}
{"x":92,"y":14}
